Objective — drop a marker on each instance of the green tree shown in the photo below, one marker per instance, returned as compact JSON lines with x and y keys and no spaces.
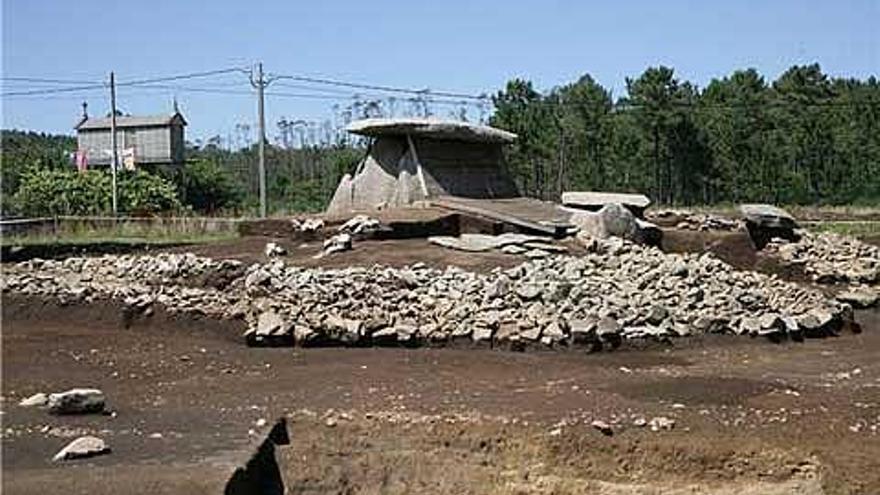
{"x":672,"y":152}
{"x":207,"y":187}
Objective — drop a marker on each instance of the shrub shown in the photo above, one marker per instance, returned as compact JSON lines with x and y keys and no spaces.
{"x":142,"y":193}
{"x":208,"y":187}
{"x":67,"y":192}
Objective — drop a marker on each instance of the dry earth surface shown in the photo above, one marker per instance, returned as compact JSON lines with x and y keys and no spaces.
{"x":750,"y":417}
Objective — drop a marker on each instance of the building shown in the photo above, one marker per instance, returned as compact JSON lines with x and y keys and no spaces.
{"x":148,"y":140}
{"x":415,"y":160}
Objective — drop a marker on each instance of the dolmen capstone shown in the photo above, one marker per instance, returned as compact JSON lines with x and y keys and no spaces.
{"x":595,"y":201}
{"x":765,"y":222}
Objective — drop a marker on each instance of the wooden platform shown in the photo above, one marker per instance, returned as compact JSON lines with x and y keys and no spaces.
{"x":526,"y":213}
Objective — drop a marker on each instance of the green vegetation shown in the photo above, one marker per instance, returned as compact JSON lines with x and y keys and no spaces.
{"x":208,"y":187}
{"x":803,"y":139}
{"x":851,"y":228}
{"x":45,"y":191}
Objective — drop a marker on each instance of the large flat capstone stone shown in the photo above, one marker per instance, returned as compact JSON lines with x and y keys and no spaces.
{"x":593,"y":200}
{"x":431,"y":128}
{"x":767,"y":216}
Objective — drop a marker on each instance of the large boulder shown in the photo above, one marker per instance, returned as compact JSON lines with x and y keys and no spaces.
{"x":614,"y":220}
{"x":271,"y":329}
{"x":764,"y":222}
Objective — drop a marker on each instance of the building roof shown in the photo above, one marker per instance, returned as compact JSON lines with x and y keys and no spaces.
{"x":431,"y":129}
{"x":123,"y":121}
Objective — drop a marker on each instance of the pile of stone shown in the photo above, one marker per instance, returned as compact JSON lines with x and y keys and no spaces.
{"x":617,"y":291}
{"x":830,"y":258}
{"x":531,"y":246}
{"x":700,"y":222}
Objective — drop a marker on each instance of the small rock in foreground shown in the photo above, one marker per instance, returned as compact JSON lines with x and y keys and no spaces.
{"x":661,"y":423}
{"x":337,"y":243}
{"x":77,"y":401}
{"x":603,"y":427}
{"x":37,"y":400}
{"x":273,"y":250}
{"x":81,"y":448}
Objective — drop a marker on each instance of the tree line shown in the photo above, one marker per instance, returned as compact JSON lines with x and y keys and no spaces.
{"x":805,"y":138}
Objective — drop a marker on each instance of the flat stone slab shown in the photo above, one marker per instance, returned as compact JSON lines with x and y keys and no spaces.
{"x":81,"y":448}
{"x":486,"y":242}
{"x":596,"y":200}
{"x":430,"y":128}
{"x":768,"y":216}
{"x":859,"y":298}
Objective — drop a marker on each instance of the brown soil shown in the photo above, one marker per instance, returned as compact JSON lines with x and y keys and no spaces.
{"x":397,"y":253}
{"x":751,"y":417}
{"x":736,"y":248}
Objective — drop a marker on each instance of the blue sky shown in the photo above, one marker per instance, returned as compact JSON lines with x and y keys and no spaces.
{"x":462,"y":46}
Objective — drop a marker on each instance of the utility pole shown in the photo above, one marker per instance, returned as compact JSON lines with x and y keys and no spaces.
{"x":260,"y":84}
{"x":115,"y":158}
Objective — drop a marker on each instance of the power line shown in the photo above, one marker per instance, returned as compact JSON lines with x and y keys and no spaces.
{"x":340,"y":97}
{"x":41,"y":80}
{"x":178,"y":77}
{"x":375,"y":87}
{"x":135,"y":82}
{"x":53,"y":90}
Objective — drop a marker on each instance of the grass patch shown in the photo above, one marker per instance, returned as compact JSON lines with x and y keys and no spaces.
{"x":849,"y":228}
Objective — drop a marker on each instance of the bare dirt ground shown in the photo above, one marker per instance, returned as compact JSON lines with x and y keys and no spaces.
{"x":751,"y":417}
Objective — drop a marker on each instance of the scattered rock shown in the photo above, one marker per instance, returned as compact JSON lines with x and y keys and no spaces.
{"x":311,"y":225}
{"x":77,"y":401}
{"x":82,"y":447}
{"x":360,"y":225}
{"x":37,"y":400}
{"x":661,"y":423}
{"x":603,"y":427}
{"x":829,"y":258}
{"x":337,"y":244}
{"x":273,"y":250}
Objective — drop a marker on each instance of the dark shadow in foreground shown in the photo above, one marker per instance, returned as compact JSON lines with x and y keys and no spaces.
{"x":261,"y":475}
